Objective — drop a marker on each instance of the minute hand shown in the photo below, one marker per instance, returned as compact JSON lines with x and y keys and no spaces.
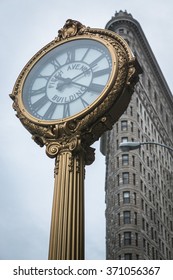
{"x":92,"y":87}
{"x":84,"y":72}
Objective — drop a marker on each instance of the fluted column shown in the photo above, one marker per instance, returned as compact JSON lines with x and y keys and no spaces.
{"x":67,"y":225}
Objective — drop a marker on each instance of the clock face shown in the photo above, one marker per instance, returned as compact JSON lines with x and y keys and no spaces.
{"x":67,"y":80}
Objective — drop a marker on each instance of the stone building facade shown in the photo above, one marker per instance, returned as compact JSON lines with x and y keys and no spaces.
{"x":139,"y":183}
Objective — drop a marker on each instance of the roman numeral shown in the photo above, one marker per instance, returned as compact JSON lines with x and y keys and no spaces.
{"x":49,"y":113}
{"x":85,"y":54}
{"x":92,"y":64}
{"x":38,"y":91}
{"x":85,"y":104}
{"x":101,"y":72}
{"x":96,"y":88}
{"x":43,"y":77}
{"x":70,"y":56}
{"x":66,"y":110}
{"x":40,"y":103}
{"x":55,"y":63}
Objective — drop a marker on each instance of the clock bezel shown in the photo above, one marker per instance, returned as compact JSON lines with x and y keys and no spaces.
{"x":39,"y":55}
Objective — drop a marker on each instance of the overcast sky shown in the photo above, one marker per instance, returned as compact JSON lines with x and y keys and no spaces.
{"x":26,"y":173}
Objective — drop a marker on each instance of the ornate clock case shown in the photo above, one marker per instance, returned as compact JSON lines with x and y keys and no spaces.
{"x":94,"y":120}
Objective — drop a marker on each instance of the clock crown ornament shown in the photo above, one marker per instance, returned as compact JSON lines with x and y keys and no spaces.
{"x":75,"y":87}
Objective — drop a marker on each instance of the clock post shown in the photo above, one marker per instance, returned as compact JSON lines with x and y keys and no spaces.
{"x":70,"y":92}
{"x":67,"y":226}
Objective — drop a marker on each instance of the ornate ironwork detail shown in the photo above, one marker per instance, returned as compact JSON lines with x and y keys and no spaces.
{"x":71,"y":28}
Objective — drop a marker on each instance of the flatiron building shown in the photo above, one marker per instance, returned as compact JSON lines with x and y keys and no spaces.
{"x":139,"y":183}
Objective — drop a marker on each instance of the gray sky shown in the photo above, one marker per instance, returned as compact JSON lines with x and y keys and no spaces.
{"x":26,"y":173}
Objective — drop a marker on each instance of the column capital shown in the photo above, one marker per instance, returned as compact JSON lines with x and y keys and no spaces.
{"x":71,"y":145}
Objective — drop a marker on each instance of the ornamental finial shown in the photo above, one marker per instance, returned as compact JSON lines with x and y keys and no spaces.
{"x":71,"y":28}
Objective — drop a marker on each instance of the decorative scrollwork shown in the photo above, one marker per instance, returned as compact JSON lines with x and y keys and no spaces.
{"x":67,"y":144}
{"x":52,"y":149}
{"x":74,"y":144}
{"x":71,"y":28}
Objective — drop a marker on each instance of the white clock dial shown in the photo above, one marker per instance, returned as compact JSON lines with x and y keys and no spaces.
{"x":67,"y":80}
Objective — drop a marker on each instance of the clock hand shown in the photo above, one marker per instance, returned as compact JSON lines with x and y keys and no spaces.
{"x":60,"y":86}
{"x":95,"y":88}
{"x":68,"y":81}
{"x":83,"y":72}
{"x":78,"y":84}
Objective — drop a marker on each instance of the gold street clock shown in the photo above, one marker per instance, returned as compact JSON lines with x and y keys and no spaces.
{"x":78,"y":84}
{"x":69,"y":93}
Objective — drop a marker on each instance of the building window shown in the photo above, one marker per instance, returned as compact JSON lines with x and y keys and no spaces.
{"x":148,"y":249}
{"x":147,"y":228}
{"x":125,"y":178}
{"x":140,"y":167}
{"x":131,"y":126}
{"x":117,"y":127}
{"x":151,"y":214}
{"x":126,"y":197}
{"x":136,"y":239}
{"x":139,"y":133}
{"x":156,"y":255}
{"x":117,"y":144}
{"x":143,"y":223}
{"x":119,"y":240}
{"x":163,"y":248}
{"x":118,"y":180}
{"x":146,"y":209}
{"x":153,"y":254}
{"x":117,"y":162}
{"x":127,"y":217}
{"x":142,"y":204}
{"x":119,"y":219}
{"x":121,"y":30}
{"x":125,"y":159}
{"x":133,"y":161}
{"x":124,"y":139}
{"x":118,"y":198}
{"x":135,"y":217}
{"x":134,"y":198}
{"x":124,"y":126}
{"x":127,"y":238}
{"x":131,"y":111}
{"x":134,"y":179}
{"x":138,"y":117}
{"x":144,"y":244}
{"x":128,"y":256}
{"x":141,"y":108}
